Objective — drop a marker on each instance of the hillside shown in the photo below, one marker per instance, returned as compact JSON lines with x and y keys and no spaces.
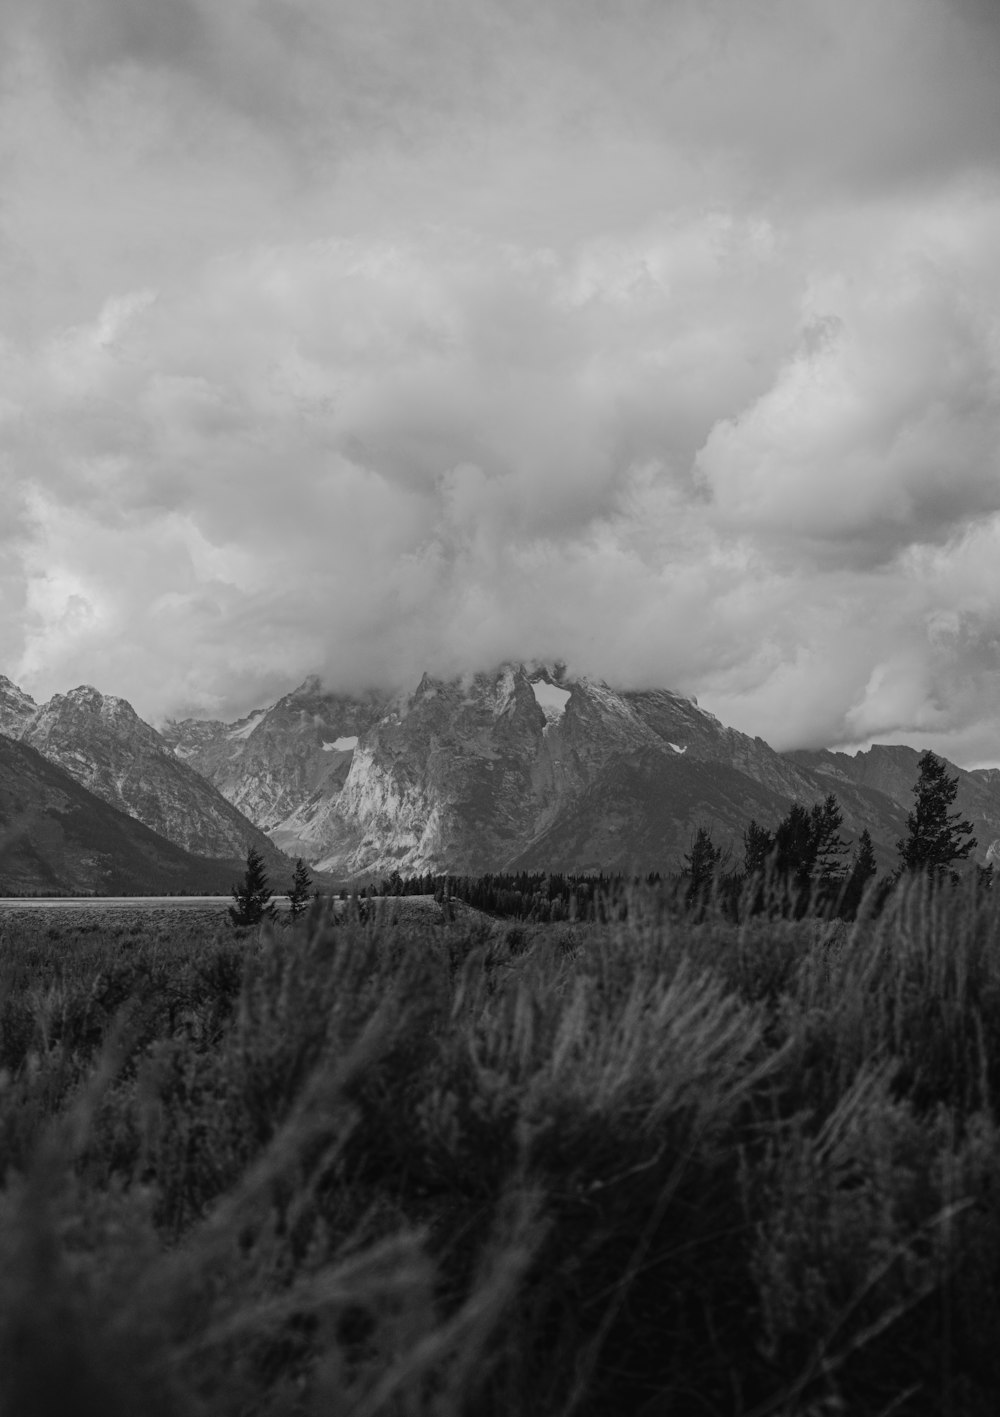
{"x":57,"y":837}
{"x":101,"y":741}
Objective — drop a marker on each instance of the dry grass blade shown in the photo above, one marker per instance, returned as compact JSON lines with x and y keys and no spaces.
{"x":310,"y":1119}
{"x":467,"y":1332}
{"x":395,"y":1267}
{"x":825,"y":1364}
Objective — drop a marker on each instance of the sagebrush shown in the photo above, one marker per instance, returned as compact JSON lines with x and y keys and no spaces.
{"x":650,"y":1166}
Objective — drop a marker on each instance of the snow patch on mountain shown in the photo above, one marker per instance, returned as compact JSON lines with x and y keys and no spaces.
{"x":341,"y":745}
{"x":678,"y":749}
{"x":551,"y":699}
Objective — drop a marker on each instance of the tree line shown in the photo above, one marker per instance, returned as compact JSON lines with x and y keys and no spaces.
{"x":805,"y":866}
{"x":802,"y":865}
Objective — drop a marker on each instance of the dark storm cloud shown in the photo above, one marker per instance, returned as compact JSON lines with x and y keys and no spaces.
{"x":778,"y":90}
{"x":93,"y":35}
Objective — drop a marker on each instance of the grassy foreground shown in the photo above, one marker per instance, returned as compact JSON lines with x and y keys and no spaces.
{"x":653,"y":1168}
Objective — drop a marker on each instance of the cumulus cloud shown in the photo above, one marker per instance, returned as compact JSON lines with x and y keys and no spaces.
{"x":661,"y":339}
{"x":882,"y":427}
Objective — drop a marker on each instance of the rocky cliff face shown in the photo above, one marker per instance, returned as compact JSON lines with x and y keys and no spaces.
{"x":16,"y":708}
{"x":102,"y":743}
{"x":277,"y":759}
{"x":524,"y":768}
{"x":452,"y":773}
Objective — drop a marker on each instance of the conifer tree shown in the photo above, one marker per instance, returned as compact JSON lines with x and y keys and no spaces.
{"x":934,"y":836}
{"x":795,"y":846}
{"x":865,"y":865}
{"x":253,"y":894}
{"x":809,"y":854}
{"x":298,"y":896}
{"x":758,"y":843}
{"x":863,"y":869}
{"x":702,"y":864}
{"x":828,"y":868}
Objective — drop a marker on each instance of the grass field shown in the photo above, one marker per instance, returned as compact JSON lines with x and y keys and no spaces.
{"x":406,"y":1167}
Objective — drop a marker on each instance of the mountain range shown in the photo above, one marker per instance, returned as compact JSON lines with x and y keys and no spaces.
{"x":99,"y":755}
{"x":524,"y":768}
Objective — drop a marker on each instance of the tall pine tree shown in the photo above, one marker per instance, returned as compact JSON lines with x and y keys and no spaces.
{"x":935,"y":837}
{"x":253,"y":895}
{"x":702,"y":865}
{"x":829,"y":868}
{"x":298,"y":896}
{"x":795,"y":855}
{"x":758,"y":843}
{"x":863,"y":869}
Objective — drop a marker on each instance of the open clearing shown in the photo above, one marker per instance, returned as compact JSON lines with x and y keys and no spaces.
{"x":117,"y":902}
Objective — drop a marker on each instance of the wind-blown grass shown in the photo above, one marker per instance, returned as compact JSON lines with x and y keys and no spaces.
{"x":658,"y":1167}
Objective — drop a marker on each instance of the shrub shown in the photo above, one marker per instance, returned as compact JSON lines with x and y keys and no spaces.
{"x":393,"y":1168}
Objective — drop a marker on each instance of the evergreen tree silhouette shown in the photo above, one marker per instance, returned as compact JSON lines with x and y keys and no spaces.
{"x":809,"y":855}
{"x":253,"y":894}
{"x":933,"y":840}
{"x":863,"y":869}
{"x":829,"y":847}
{"x":758,"y":843}
{"x":702,"y":864}
{"x":298,"y":896}
{"x":795,"y":857}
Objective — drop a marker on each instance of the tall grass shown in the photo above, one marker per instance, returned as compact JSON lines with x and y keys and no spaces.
{"x":651,"y":1167}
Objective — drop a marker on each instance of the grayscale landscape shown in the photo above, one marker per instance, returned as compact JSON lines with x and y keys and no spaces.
{"x":499,"y":708}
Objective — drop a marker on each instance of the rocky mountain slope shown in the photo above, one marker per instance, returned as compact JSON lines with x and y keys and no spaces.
{"x":523,"y":769}
{"x":515,"y":769}
{"x":58,"y":838}
{"x":276,"y":759}
{"x":101,"y":742}
{"x":16,"y":708}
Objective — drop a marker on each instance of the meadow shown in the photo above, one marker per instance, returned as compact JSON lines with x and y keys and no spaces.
{"x":658,"y":1166}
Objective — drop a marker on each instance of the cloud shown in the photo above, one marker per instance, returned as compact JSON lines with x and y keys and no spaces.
{"x":806,"y":91}
{"x":882,"y":427}
{"x":658,"y":338}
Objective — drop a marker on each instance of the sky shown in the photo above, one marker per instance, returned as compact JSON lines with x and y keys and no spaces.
{"x":657,"y":337}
